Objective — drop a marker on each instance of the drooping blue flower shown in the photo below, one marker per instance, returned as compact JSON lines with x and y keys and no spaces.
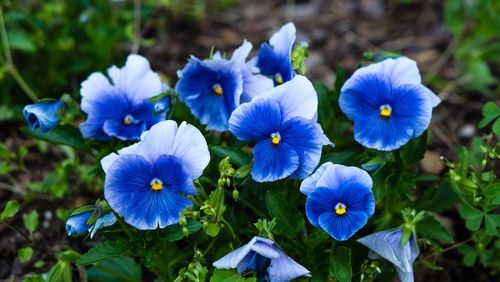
{"x":283,"y":123}
{"x":163,"y":105}
{"x":77,"y":224}
{"x":146,"y":183}
{"x":386,"y":244}
{"x":213,"y":88}
{"x":339,"y":199}
{"x":275,"y":59}
{"x":43,"y":115}
{"x":264,"y":257}
{"x":387,"y":103}
{"x":121,"y":108}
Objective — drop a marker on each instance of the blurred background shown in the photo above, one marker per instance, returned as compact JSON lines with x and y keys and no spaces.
{"x":49,"y":47}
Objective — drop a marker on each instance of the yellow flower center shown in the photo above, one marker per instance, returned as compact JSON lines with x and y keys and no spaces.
{"x":275,"y":138}
{"x":340,"y":209}
{"x":278,"y":78}
{"x":128,"y":119}
{"x":217,"y":89}
{"x":385,"y":111}
{"x":156,"y":184}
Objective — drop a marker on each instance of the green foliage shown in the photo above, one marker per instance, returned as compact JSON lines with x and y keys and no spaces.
{"x":289,"y":220}
{"x":229,"y":275}
{"x":491,"y":114}
{"x":101,"y":252}
{"x":115,"y":270}
{"x":25,"y":254}
{"x":10,"y":210}
{"x":340,"y":264}
{"x":31,"y":221}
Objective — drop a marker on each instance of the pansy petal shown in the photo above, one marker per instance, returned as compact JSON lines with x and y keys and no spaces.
{"x":320,"y":201}
{"x":118,"y":129}
{"x":43,"y":115}
{"x":254,"y":84}
{"x":93,"y":88}
{"x":336,"y":176}
{"x":378,"y":243}
{"x":191,"y":148}
{"x":241,"y":53}
{"x":109,"y":159}
{"x":284,"y":269}
{"x":232,"y":259}
{"x":342,"y":227}
{"x":266,"y":250}
{"x":170,"y":171}
{"x":273,"y":162}
{"x":159,"y":140}
{"x":255,"y":120}
{"x":303,"y":136}
{"x":77,"y":224}
{"x":282,"y":41}
{"x":308,"y":185}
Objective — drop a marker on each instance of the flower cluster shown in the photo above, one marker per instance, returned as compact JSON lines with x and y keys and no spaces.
{"x":269,"y":107}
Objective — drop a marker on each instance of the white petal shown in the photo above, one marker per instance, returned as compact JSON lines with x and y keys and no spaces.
{"x":232,"y":259}
{"x":336,"y":175}
{"x":92,"y":88}
{"x":109,"y":159}
{"x":158,"y":141}
{"x":309,"y":184}
{"x":191,"y":147}
{"x":282,"y":41}
{"x":240,"y":55}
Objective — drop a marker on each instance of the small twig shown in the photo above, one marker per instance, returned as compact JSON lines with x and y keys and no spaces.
{"x":436,"y":67}
{"x":5,"y":39}
{"x":137,"y":27}
{"x":20,"y":233}
{"x":452,"y":247}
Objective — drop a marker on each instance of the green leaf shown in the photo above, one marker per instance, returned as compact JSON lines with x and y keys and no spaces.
{"x":469,"y":253}
{"x":431,"y":265}
{"x":490,"y":112}
{"x":25,"y":254}
{"x":491,"y":228}
{"x":63,"y":134}
{"x":31,"y":221}
{"x":34,"y":278}
{"x":454,"y":16}
{"x":414,"y":150}
{"x":340,"y":264}
{"x":289,"y":220}
{"x":174,"y":232}
{"x":496,"y":127}
{"x":472,"y":216}
{"x":10,"y":210}
{"x":229,"y":275}
{"x":437,"y":198}
{"x":20,"y":40}
{"x":101,"y":252}
{"x":237,"y":156}
{"x":60,"y":272}
{"x":431,"y":228}
{"x":212,"y":229}
{"x":115,"y":270}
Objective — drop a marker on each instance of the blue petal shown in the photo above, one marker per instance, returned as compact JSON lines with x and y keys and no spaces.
{"x":43,"y":116}
{"x":283,"y":40}
{"x":195,"y":89}
{"x":76,"y":225}
{"x":304,"y":137}
{"x":271,"y":64}
{"x":284,"y":269}
{"x":309,"y":184}
{"x":169,"y":169}
{"x":320,"y":201}
{"x":344,"y":226}
{"x":273,"y":162}
{"x":256,"y":120}
{"x":102,"y":222}
{"x":234,"y":258}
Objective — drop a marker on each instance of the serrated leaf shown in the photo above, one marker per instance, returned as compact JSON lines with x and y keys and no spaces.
{"x":289,"y":220}
{"x":10,"y":210}
{"x":431,"y":228}
{"x":340,"y":264}
{"x":101,"y":252}
{"x":236,"y":156}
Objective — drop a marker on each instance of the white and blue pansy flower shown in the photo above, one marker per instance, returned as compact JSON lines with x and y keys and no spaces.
{"x":264,"y":257}
{"x":213,"y":88}
{"x":339,"y":199}
{"x":43,"y":115}
{"x":77,"y":224}
{"x":283,"y":123}
{"x":275,"y":59}
{"x":120,"y":108}
{"x":387,"y":103}
{"x":146,"y":183}
{"x":387,"y":244}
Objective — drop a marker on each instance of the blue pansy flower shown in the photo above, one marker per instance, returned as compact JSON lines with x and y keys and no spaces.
{"x":387,"y":244}
{"x":163,"y":105}
{"x":77,"y":224}
{"x":339,"y":199}
{"x":121,"y":108}
{"x":146,"y":183}
{"x":264,"y":257}
{"x":43,"y":115}
{"x":275,"y":59}
{"x":283,"y":123}
{"x":388,"y":103}
{"x":213,"y":88}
